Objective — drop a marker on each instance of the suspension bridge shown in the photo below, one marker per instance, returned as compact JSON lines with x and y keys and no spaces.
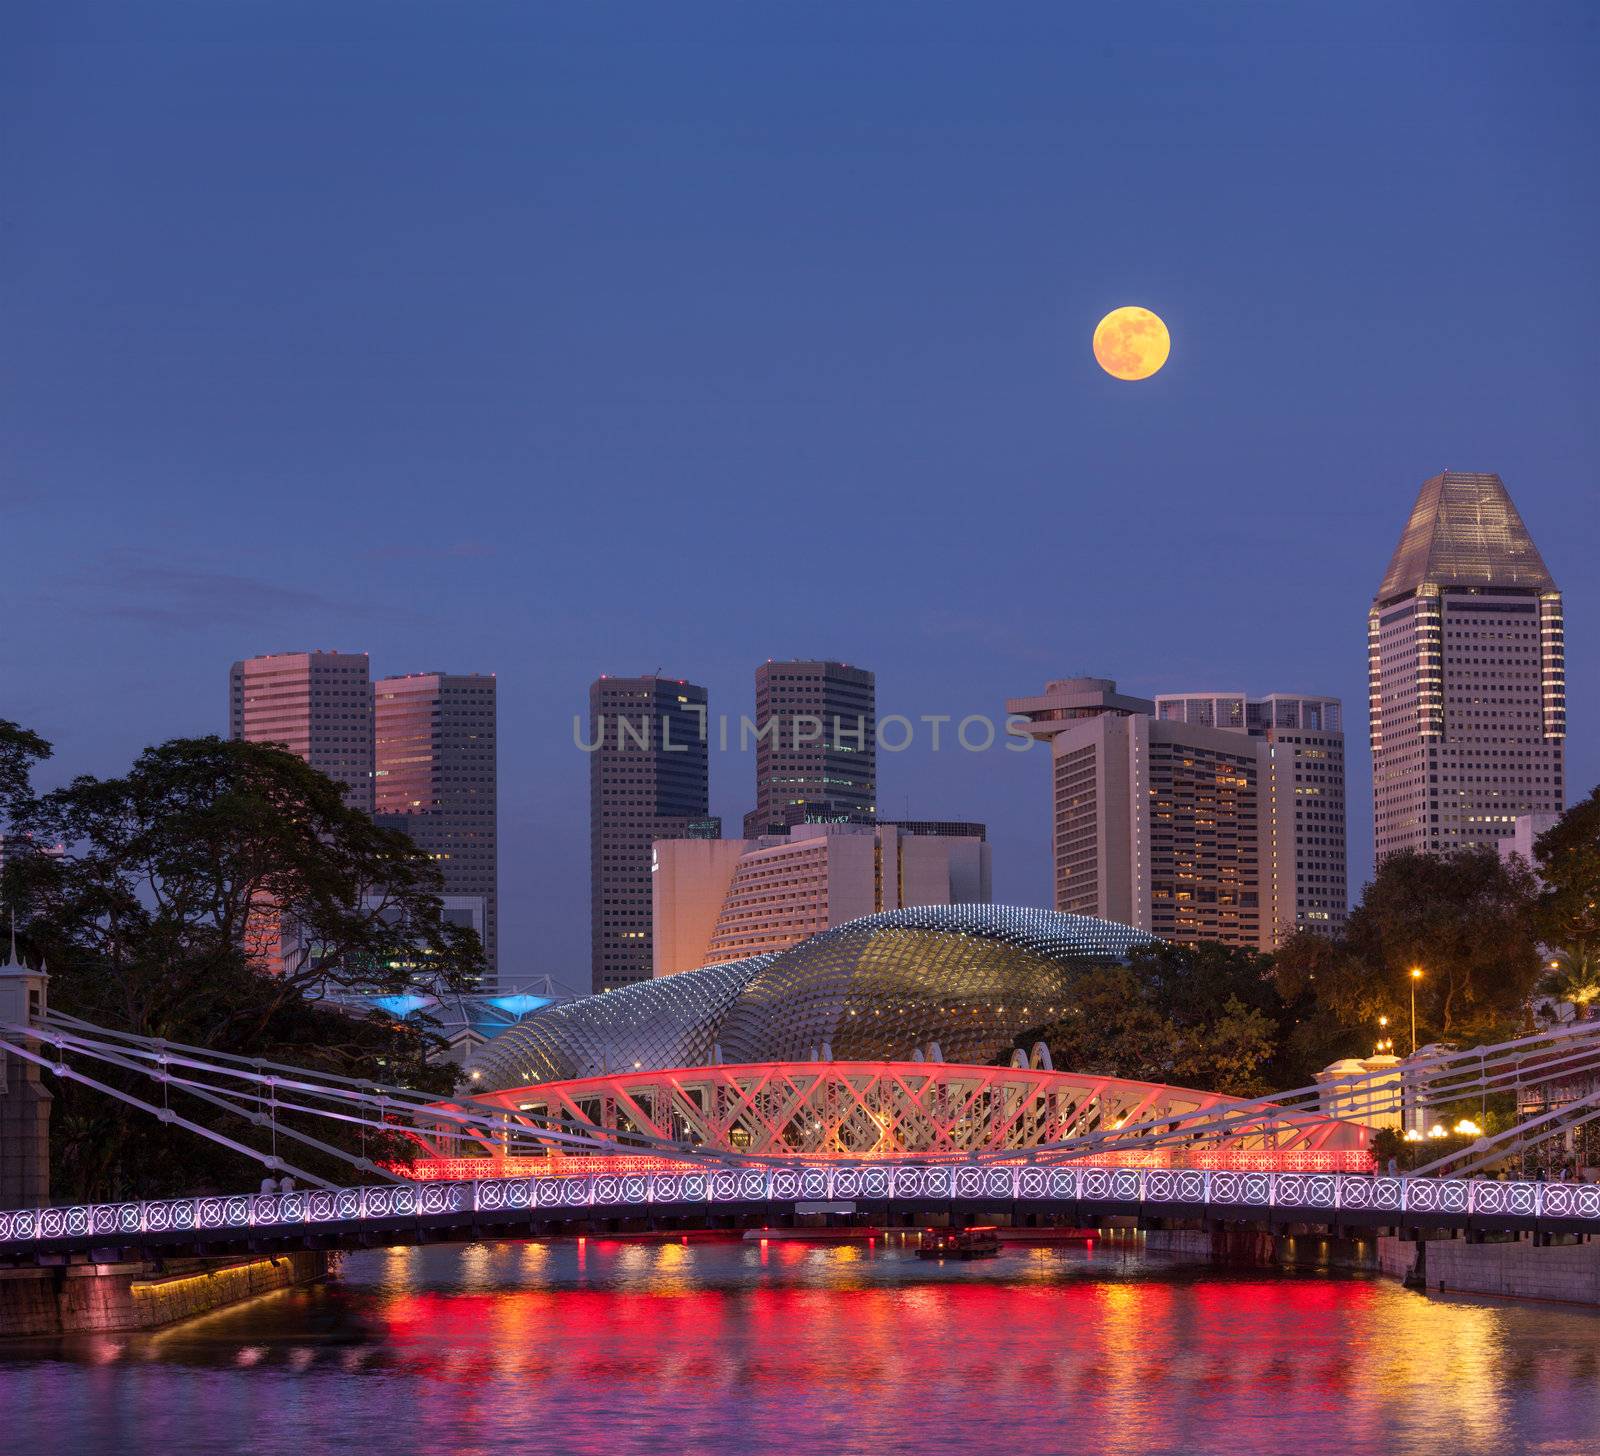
{"x":730,"y":1147}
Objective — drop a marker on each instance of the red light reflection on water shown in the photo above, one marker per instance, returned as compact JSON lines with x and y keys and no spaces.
{"x":846,"y":1346}
{"x":622,"y":1348}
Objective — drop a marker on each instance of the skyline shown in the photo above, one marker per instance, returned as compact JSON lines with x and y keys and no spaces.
{"x":577,"y":375}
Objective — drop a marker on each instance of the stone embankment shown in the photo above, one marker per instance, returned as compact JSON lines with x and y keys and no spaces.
{"x":98,"y":1298}
{"x":1565,"y":1273}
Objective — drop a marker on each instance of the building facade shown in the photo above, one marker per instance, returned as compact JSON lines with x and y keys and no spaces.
{"x":318,"y":705}
{"x":1526,"y":830}
{"x":435,"y":778}
{"x":1082,"y":720}
{"x":725,"y":900}
{"x":648,"y":780}
{"x":1304,"y":852}
{"x":1203,"y":816}
{"x":1466,"y":661}
{"x":816,"y":745}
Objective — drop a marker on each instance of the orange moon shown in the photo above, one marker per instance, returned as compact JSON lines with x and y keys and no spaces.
{"x":1131,"y":343}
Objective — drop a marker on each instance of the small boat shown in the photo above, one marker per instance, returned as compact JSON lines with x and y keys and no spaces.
{"x":981,"y":1242}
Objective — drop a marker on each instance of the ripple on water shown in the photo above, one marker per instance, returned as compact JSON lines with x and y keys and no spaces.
{"x":616,"y":1347}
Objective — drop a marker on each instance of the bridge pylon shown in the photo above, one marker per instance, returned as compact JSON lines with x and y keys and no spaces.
{"x":24,"y":1099}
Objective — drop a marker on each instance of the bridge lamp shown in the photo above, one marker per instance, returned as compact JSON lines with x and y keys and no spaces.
{"x":1416,"y":975}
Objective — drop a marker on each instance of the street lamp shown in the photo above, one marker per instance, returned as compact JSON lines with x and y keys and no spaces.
{"x":1416,"y":975}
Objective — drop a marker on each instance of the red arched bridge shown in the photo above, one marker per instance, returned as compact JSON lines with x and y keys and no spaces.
{"x":829,"y":1111}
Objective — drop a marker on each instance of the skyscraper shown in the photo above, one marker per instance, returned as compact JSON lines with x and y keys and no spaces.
{"x":1199,"y":816}
{"x":648,"y":780}
{"x":1082,"y":721}
{"x":1303,"y":850}
{"x":816,"y":745}
{"x":435,"y":779}
{"x":1466,"y":674}
{"x":317,"y":704}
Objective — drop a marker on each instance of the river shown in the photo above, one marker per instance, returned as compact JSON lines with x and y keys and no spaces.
{"x":613,"y":1348}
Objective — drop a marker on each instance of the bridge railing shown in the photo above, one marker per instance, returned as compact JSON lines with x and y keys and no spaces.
{"x":398,"y":1205}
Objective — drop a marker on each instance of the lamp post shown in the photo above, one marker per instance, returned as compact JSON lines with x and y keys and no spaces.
{"x":1416,"y":975}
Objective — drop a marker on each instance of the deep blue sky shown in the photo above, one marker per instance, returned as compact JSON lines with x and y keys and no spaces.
{"x":558,"y":339}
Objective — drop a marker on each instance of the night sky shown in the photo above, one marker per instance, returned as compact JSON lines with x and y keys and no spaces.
{"x":559,"y":339}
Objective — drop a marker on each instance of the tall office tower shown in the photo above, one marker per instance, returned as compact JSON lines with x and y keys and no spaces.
{"x":1081,"y":720}
{"x":317,"y":704}
{"x":435,"y":779}
{"x":1157,"y":822}
{"x":816,"y":745}
{"x":1303,"y":850}
{"x":1466,"y":674}
{"x":648,"y":780}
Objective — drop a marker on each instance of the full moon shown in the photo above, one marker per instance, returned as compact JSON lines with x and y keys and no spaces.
{"x":1131,"y":343}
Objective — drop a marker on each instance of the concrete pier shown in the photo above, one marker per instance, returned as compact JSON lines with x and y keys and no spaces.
{"x":1562,"y":1273}
{"x":99,"y":1298}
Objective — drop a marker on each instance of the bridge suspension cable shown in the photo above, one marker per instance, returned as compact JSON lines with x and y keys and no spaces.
{"x":1554,"y":1055}
{"x":239,"y":1087}
{"x":262,"y":1093}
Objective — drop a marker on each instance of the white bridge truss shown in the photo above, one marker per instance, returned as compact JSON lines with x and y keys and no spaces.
{"x":834,"y":1110}
{"x":498,"y":1207}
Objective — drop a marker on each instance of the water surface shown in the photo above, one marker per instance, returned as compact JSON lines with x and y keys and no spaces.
{"x":613,"y":1348}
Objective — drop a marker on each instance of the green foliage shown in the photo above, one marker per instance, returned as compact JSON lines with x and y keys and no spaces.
{"x":1566,"y":915}
{"x":148,"y":920}
{"x":1198,"y":1017}
{"x":20,"y":750}
{"x":1464,"y":919}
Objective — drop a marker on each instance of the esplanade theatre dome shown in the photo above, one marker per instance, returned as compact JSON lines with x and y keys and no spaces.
{"x":970,"y":978}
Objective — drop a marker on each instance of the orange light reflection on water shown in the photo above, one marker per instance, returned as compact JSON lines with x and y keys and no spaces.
{"x":617,"y":1347}
{"x":1132,"y":1364}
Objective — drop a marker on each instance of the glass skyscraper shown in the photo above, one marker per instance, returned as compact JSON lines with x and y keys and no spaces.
{"x":1466,"y":674}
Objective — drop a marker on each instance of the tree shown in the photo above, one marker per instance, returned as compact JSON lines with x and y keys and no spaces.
{"x":1330,"y":1008}
{"x":1196,"y":1017}
{"x":1111,"y":1029}
{"x":149,"y":919}
{"x":1465,"y":920}
{"x":20,"y":750}
{"x":1566,"y":914}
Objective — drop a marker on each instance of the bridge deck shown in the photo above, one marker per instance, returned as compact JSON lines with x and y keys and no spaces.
{"x":507,"y":1207}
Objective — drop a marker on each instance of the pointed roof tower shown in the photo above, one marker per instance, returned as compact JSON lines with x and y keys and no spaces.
{"x":1464,"y":531}
{"x":13,"y":964}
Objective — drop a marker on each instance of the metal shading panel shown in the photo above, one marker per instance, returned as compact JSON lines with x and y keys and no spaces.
{"x":670,"y":1022}
{"x":970,"y":977}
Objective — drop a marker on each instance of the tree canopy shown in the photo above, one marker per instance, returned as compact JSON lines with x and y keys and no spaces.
{"x":1464,"y":920}
{"x":1201,"y":1017}
{"x":152,"y":918}
{"x":1566,"y":914}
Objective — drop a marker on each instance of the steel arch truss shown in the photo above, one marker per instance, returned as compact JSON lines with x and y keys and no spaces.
{"x":941,"y":1111}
